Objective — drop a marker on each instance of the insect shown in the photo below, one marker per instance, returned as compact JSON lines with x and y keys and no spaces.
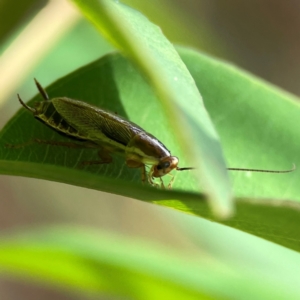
{"x":97,"y":128}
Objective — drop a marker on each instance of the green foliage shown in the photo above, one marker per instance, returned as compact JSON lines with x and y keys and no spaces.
{"x":82,"y":260}
{"x":114,"y":84}
{"x":156,"y":58}
{"x":256,"y":124}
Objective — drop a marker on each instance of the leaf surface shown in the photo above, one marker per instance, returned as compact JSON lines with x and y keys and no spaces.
{"x":113,"y":83}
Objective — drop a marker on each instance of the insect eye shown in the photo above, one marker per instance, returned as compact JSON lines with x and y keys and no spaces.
{"x":164,"y":165}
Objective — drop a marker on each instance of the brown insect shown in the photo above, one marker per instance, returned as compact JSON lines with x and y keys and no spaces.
{"x":108,"y":132}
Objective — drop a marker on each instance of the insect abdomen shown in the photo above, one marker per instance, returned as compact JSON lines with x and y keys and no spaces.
{"x":46,"y":112}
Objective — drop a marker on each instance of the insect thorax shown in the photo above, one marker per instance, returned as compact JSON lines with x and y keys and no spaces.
{"x":148,"y":148}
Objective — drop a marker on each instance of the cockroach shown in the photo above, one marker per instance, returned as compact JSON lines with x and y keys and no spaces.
{"x":109,"y":133}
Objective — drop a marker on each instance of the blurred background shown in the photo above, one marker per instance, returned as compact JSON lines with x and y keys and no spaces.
{"x":49,"y":39}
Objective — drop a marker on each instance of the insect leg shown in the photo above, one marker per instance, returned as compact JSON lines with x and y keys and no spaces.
{"x":162,"y":186}
{"x":16,"y":146}
{"x":105,"y":158}
{"x":150,"y":173}
{"x":150,"y":178}
{"x":53,"y":143}
{"x":143,"y":169}
{"x":171,"y":181}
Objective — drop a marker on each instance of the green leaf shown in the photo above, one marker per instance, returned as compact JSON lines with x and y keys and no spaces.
{"x":258,"y":124}
{"x":113,"y":83}
{"x":144,"y":44}
{"x":79,"y":259}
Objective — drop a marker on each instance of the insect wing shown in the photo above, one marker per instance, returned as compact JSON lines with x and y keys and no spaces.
{"x":94,"y":123}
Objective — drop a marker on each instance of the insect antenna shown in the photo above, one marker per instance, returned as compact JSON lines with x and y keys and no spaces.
{"x":184,"y":169}
{"x":263,"y":171}
{"x":249,"y":170}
